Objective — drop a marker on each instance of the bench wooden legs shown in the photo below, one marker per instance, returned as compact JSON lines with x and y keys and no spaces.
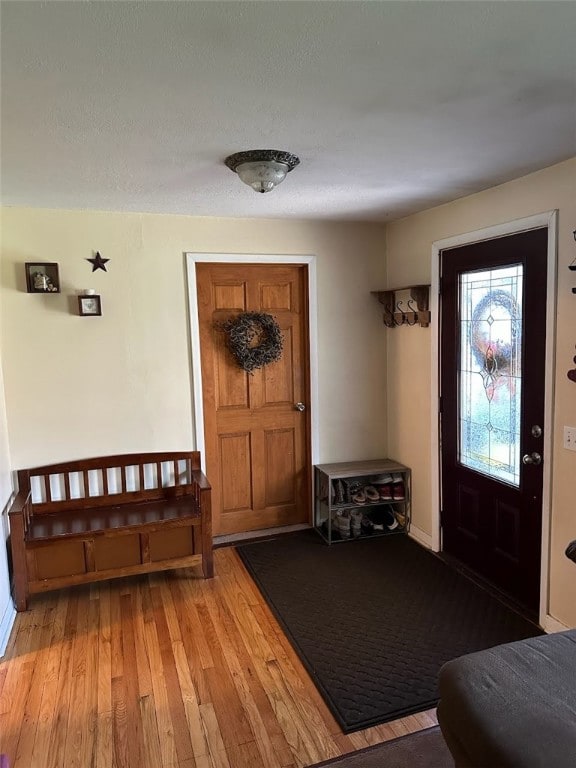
{"x":21,"y":597}
{"x":19,"y":561}
{"x":206,"y":534}
{"x":208,"y":565}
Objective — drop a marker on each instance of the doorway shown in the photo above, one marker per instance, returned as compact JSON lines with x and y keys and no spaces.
{"x":255,"y":431}
{"x":492,"y":382}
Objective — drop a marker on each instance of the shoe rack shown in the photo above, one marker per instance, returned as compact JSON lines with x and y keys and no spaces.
{"x":355,"y":500}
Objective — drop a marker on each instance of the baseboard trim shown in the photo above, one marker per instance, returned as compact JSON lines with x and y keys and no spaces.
{"x":422,"y":538}
{"x":227,"y":539}
{"x":6,"y":626}
{"x":551,"y":625}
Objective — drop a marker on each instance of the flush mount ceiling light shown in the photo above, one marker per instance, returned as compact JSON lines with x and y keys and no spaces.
{"x":262,"y":169}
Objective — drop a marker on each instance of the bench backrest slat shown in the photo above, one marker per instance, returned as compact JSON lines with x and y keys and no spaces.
{"x":89,"y":483}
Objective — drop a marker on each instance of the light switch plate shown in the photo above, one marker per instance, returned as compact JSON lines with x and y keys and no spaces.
{"x":570,"y":438}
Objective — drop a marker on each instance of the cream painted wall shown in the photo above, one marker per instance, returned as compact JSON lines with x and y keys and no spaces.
{"x":409,"y":248}
{"x":83,"y":386}
{"x":6,"y":604}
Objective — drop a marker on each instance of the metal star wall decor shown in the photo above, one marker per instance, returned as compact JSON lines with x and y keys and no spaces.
{"x":98,"y":262}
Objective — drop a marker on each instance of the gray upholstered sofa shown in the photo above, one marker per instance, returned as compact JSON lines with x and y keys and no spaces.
{"x":513,"y":706}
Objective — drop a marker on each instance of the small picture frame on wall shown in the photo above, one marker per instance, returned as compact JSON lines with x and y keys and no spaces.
{"x":42,"y":277}
{"x":89,"y":305}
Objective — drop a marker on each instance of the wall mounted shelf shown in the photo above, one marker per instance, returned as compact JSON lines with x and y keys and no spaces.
{"x":405,"y":311}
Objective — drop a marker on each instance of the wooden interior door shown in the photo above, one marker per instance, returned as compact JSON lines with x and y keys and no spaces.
{"x":256,"y":440}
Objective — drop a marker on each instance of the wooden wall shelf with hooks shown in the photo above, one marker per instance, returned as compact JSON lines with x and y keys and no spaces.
{"x":405,"y":311}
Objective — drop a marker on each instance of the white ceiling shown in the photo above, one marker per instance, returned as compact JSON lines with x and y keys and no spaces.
{"x":392,"y":107}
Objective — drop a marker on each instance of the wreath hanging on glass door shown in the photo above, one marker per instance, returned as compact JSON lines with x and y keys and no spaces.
{"x":254,"y":338}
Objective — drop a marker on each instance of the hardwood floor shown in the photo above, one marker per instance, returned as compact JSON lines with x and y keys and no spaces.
{"x":165,"y":671}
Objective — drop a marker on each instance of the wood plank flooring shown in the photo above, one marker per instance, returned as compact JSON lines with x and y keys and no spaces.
{"x":165,"y":671}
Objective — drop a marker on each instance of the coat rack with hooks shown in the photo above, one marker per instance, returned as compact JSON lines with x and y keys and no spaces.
{"x":405,"y":311}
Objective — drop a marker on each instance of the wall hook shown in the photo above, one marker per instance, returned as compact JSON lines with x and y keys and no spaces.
{"x":401,"y":312}
{"x":414,"y":312}
{"x":389,"y":315}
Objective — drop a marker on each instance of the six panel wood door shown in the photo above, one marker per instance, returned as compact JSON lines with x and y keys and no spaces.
{"x":256,"y":441}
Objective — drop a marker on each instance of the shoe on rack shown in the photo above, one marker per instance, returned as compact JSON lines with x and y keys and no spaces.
{"x":401,"y":518}
{"x":350,"y":487}
{"x":398,"y":489}
{"x":356,"y":522}
{"x":372,"y":495}
{"x":389,"y":517}
{"x":335,"y":530}
{"x":383,"y":485}
{"x":343,"y":523}
{"x":385,"y":492}
{"x":359,"y":497}
{"x":356,"y":492}
{"x":338,"y":491}
{"x":366,"y":526}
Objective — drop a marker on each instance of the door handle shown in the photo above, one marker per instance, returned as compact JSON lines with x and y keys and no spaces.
{"x":300,"y":406}
{"x":532,"y":458}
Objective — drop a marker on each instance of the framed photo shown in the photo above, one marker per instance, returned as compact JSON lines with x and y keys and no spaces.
{"x":90,"y":305}
{"x":42,"y":277}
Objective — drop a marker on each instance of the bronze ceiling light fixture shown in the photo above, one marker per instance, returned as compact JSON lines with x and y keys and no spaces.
{"x":262,"y":169}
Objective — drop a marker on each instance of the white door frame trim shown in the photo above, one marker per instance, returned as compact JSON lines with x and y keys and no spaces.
{"x":192,"y":259}
{"x":547,"y":219}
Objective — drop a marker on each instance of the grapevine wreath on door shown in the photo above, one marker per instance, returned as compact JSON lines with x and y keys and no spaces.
{"x":254,"y":338}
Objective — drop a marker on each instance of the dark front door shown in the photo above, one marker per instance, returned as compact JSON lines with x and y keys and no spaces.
{"x":493,"y":320}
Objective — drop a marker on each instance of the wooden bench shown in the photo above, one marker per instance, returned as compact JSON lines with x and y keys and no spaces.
{"x":94,"y":519}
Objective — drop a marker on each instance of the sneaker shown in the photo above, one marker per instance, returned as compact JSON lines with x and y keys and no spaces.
{"x":383,"y":484}
{"x":393,"y":524}
{"x":398,"y":489}
{"x":343,"y":524}
{"x":385,"y":491}
{"x":390,"y":521}
{"x":355,"y":522}
{"x":372,"y":495}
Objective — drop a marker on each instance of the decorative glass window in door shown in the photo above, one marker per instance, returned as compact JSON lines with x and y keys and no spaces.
{"x":490,"y":375}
